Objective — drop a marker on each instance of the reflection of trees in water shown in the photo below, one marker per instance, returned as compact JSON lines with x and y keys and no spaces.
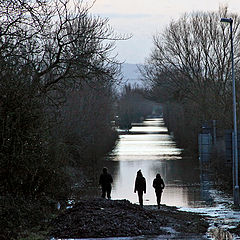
{"x":184,"y":171}
{"x":93,"y":170}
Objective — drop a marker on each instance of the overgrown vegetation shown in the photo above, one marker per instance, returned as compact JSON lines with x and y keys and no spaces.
{"x":56,"y":97}
{"x":189,"y":72}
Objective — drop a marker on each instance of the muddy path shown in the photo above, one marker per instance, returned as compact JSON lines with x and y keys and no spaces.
{"x":100,"y":218}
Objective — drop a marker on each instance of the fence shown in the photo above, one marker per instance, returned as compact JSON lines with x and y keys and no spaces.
{"x":204,"y":147}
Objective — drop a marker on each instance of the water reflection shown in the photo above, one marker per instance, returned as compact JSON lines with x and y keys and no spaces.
{"x":149,"y":147}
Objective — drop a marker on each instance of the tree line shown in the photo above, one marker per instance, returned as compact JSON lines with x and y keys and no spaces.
{"x":57,"y":92}
{"x":132,"y":106}
{"x":189,"y":72}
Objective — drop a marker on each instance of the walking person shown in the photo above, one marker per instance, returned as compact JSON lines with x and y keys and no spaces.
{"x":159,"y":185}
{"x":105,"y":181}
{"x":140,"y":186}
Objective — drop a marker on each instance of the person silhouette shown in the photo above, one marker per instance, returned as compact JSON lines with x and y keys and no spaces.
{"x":105,"y":181}
{"x":159,"y":185}
{"x":140,"y":186}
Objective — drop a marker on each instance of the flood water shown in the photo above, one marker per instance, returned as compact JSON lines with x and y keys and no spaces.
{"x":149,"y":147}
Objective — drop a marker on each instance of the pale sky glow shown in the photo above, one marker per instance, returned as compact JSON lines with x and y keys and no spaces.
{"x":143,"y":18}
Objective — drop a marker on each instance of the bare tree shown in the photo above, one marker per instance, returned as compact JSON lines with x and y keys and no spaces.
{"x":193,"y":54}
{"x":50,"y":51}
{"x":191,"y":66}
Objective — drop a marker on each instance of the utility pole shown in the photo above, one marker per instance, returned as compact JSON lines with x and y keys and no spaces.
{"x":235,"y":143}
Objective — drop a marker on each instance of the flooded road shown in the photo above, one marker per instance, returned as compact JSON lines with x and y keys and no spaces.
{"x":149,"y":147}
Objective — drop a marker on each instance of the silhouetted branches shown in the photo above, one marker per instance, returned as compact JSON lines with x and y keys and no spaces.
{"x":189,"y":69}
{"x":57,"y":79}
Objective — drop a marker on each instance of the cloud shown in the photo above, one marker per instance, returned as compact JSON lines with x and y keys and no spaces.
{"x":144,"y":18}
{"x":124,"y":16}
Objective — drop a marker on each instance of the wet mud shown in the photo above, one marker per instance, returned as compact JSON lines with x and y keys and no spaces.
{"x":99,"y":218}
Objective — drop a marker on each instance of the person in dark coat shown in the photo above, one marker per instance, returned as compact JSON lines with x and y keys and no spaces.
{"x":105,"y":181}
{"x":159,"y":185}
{"x":140,"y":186}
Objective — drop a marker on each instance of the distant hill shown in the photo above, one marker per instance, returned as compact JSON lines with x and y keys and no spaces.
{"x":131,"y":74}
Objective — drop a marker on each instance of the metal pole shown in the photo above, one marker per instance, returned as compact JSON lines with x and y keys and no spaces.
{"x":236,"y":188}
{"x":233,"y":164}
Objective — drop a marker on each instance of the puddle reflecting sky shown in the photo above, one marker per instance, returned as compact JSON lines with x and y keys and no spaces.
{"x":150,"y":148}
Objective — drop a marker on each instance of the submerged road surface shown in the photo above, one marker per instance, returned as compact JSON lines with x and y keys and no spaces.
{"x":149,"y":147}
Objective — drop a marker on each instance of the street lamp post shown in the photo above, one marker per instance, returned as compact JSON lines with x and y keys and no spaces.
{"x":235,"y":152}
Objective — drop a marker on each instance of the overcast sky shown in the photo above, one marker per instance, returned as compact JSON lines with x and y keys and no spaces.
{"x":143,"y":18}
